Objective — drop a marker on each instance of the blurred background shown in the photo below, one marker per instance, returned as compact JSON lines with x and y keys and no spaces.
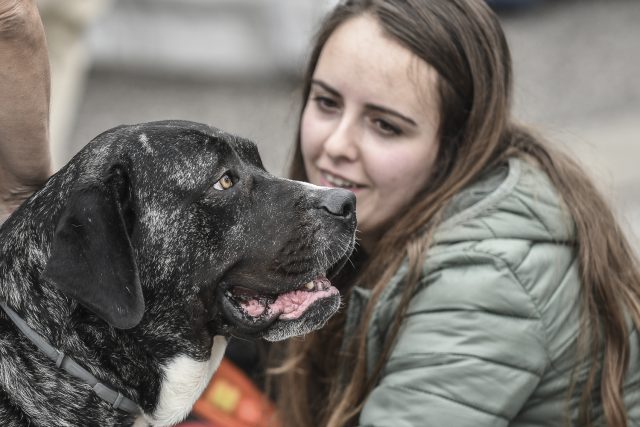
{"x":235,"y":64}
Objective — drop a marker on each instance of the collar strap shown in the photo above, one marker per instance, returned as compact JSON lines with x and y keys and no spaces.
{"x":114,"y":398}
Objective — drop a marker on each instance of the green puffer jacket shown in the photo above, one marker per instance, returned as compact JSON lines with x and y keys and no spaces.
{"x":489,"y":338}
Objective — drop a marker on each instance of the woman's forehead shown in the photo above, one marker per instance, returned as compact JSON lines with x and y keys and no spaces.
{"x":360,"y":60}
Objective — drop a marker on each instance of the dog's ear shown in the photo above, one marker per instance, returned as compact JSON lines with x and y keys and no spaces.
{"x":92,"y":258}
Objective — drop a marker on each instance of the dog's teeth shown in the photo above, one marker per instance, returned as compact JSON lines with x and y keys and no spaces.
{"x":310,"y":286}
{"x":321,"y":285}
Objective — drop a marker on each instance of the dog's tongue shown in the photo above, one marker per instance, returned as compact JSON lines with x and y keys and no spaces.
{"x":254,"y":308}
{"x":292,"y":305}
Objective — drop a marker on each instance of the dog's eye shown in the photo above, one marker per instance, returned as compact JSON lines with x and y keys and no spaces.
{"x":224,"y":183}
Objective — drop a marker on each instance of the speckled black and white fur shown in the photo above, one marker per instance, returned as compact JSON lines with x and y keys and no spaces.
{"x":122,"y":259}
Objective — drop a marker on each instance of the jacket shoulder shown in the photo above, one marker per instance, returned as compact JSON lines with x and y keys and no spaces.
{"x":514,"y":201}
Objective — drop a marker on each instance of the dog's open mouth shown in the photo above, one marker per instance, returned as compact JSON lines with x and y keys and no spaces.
{"x":276,"y":308}
{"x":277,"y":316}
{"x":286,"y":306}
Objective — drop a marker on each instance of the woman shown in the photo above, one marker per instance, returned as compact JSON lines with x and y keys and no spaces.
{"x":493,"y":286}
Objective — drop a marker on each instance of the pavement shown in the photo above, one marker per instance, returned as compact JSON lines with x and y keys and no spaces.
{"x":577,"y":68}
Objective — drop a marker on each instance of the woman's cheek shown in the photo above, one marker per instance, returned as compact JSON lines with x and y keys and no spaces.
{"x":312,"y":135}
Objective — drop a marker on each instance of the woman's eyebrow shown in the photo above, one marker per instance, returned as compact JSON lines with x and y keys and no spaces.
{"x":326,"y":87}
{"x":373,"y":107}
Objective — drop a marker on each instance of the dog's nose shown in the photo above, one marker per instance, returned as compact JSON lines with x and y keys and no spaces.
{"x":338,"y":202}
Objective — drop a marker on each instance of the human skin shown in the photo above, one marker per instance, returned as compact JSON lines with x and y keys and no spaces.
{"x":370,"y":123}
{"x":25,"y":160}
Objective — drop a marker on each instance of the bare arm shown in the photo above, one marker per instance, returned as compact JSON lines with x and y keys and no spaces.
{"x":25,"y":160}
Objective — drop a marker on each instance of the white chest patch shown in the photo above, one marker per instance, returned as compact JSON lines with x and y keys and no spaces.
{"x":184,"y":381}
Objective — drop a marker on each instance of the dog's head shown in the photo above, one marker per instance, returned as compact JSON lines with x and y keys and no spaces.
{"x":177,"y":225}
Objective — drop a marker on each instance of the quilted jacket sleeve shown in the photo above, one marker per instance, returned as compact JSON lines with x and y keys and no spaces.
{"x":470,"y":353}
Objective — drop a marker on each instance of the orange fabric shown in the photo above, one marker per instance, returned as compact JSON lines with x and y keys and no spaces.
{"x":232,"y":400}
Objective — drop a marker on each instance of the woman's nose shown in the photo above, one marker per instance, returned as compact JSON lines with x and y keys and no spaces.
{"x":342,"y":142}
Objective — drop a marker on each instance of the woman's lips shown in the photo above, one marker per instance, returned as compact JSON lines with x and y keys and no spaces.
{"x":328,"y":179}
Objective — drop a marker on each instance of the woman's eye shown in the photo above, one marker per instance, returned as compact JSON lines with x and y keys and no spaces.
{"x":326,"y":104}
{"x":387,"y":128}
{"x":224,"y":183}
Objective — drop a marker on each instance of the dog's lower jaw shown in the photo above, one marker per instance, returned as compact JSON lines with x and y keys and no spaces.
{"x":184,"y":381}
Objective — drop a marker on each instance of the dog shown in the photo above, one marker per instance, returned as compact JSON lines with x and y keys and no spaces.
{"x":123,"y":278}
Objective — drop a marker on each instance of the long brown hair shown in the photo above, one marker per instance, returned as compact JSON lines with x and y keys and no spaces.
{"x":463,"y":41}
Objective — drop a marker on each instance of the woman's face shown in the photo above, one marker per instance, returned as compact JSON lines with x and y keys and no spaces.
{"x":370,"y":123}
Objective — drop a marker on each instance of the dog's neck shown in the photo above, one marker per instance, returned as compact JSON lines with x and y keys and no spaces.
{"x":29,"y":373}
{"x":70,"y":366}
{"x":184,"y":381}
{"x":178,"y":381}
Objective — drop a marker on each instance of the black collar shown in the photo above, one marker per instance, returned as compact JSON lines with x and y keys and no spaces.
{"x":114,"y":398}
